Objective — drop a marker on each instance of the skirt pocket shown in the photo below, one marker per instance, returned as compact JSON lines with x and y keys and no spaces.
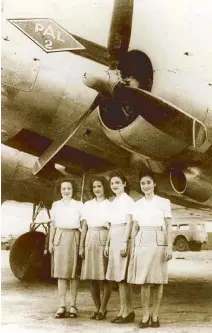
{"x":103,"y":237}
{"x":161,"y":238}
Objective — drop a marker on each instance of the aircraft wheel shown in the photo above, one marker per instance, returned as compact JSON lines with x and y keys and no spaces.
{"x":26,"y":255}
{"x":181,"y":244}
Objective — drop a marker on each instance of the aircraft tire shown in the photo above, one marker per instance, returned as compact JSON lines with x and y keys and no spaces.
{"x":26,"y":255}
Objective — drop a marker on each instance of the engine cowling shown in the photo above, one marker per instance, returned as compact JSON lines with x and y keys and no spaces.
{"x":191,"y":182}
{"x":132,"y":132}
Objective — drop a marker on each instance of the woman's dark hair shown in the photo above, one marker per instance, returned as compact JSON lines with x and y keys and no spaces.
{"x":150,"y":175}
{"x":123,"y":178}
{"x":104,"y":183}
{"x":57,"y":190}
{"x":147,"y":174}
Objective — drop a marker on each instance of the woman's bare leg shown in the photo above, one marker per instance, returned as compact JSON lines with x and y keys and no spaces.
{"x":95,"y":293}
{"x":73,"y":291}
{"x":62,"y":290}
{"x":145,"y":299}
{"x":125,"y":297}
{"x":121,"y":298}
{"x":105,"y":296}
{"x":157,"y":293}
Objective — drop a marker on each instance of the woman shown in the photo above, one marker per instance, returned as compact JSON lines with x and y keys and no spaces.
{"x":64,"y":243}
{"x":152,"y":238}
{"x":92,"y":244}
{"x":117,"y":247}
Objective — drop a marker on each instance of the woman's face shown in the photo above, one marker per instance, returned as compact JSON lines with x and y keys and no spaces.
{"x":147,"y":185}
{"x":66,"y":190}
{"x":98,"y":189}
{"x":117,"y":185}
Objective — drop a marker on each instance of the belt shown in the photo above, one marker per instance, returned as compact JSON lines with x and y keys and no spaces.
{"x":150,"y":228}
{"x":97,"y":228}
{"x":118,"y":225}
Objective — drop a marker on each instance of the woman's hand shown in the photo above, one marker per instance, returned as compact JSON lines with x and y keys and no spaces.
{"x":82,"y":252}
{"x":168,"y":253}
{"x":123,"y":251}
{"x":106,"y":250}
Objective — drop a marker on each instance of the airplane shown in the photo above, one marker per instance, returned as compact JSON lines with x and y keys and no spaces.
{"x":93,"y":86}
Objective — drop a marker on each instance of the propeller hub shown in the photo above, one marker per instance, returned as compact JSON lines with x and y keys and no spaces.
{"x":104,"y":82}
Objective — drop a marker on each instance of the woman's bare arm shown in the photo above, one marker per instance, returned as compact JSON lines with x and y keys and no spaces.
{"x":128,"y":228}
{"x":168,"y":222}
{"x":51,"y":235}
{"x":82,"y":238}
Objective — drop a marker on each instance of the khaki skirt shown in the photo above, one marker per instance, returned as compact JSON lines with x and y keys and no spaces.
{"x":117,"y":266}
{"x":95,"y":263}
{"x":66,"y":252}
{"x":147,"y":262}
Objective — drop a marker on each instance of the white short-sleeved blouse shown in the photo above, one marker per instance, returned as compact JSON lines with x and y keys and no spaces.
{"x":96,"y":212}
{"x":67,"y":214}
{"x":152,"y":212}
{"x":119,"y":208}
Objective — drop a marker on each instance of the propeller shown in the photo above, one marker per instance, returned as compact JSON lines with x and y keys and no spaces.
{"x":57,"y":145}
{"x":120,"y":31}
{"x":163,"y":115}
{"x":118,"y":42}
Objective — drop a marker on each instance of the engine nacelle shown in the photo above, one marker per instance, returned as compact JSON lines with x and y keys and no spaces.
{"x":137,"y":135}
{"x":192,"y":183}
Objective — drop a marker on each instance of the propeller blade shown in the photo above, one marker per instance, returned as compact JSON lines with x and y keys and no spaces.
{"x":57,"y":145}
{"x":120,"y":31}
{"x":163,"y":115}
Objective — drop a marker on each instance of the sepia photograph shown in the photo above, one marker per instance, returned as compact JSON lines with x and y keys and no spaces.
{"x":106,"y":166}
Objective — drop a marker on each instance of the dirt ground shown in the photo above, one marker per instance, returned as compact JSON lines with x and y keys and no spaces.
{"x":186,"y":307}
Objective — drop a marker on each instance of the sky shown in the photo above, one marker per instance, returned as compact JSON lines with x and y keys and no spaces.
{"x":16,"y":218}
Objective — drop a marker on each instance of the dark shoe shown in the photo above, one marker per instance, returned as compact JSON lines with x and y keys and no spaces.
{"x":94,"y":315}
{"x":146,"y":324}
{"x":129,"y":319}
{"x":155,"y":323}
{"x":101,"y":316}
{"x":73,"y":314}
{"x":60,"y":314}
{"x":114,"y":320}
